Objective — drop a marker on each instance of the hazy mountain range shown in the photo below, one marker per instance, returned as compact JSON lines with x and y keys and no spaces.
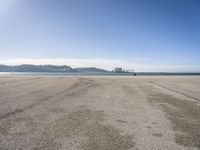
{"x":47,"y":68}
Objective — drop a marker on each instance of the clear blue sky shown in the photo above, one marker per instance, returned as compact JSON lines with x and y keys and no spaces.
{"x":155,"y":32}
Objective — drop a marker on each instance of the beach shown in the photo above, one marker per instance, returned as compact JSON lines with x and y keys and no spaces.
{"x":99,"y":113}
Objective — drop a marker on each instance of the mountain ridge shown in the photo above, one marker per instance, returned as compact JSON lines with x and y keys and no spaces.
{"x":47,"y":68}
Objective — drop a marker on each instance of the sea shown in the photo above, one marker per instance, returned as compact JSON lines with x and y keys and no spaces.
{"x":98,"y":74}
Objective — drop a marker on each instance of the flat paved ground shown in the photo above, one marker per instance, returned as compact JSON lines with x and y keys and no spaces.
{"x":99,"y":113}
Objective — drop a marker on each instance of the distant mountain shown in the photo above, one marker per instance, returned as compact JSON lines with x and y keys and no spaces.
{"x":46,"y":68}
{"x":35,"y":68}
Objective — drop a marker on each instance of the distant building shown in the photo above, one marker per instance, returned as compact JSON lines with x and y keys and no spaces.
{"x":118,"y":70}
{"x":121,"y":70}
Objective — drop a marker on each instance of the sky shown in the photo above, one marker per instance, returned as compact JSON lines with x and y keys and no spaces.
{"x":141,"y":35}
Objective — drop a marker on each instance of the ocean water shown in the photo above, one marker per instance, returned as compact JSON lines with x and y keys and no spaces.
{"x":97,"y":74}
{"x":65,"y":74}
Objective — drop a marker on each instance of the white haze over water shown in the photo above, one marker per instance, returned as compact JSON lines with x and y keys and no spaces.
{"x":108,"y":64}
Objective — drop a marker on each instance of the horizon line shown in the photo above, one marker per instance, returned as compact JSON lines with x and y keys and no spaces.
{"x":107,"y":64}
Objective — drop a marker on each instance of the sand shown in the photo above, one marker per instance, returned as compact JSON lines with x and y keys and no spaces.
{"x":99,"y":113}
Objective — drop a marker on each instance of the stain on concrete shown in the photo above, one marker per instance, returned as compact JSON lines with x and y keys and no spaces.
{"x":89,"y":125}
{"x":56,"y":110}
{"x":122,"y":121}
{"x":157,"y":134}
{"x":184,"y":116}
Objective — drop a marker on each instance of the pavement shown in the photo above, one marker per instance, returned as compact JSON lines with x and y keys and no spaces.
{"x":99,"y":113}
